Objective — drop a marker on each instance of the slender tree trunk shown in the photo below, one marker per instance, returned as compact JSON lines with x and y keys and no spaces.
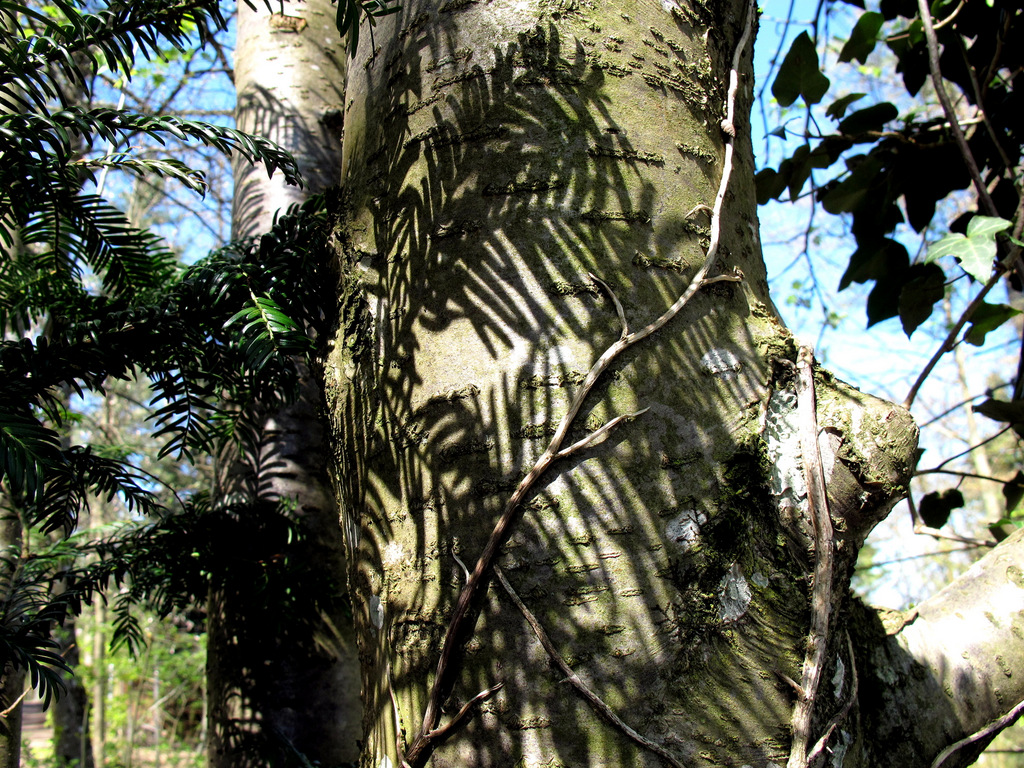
{"x":101,"y":684}
{"x":271,"y":698}
{"x":12,"y":686}
{"x":72,"y":747}
{"x":12,"y":679}
{"x":505,"y":162}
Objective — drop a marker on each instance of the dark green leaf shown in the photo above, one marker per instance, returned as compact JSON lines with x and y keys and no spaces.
{"x":838,"y":108}
{"x":884,"y":300}
{"x":770,"y":185}
{"x":862,"y":38}
{"x":794,"y":171}
{"x":875,"y":261}
{"x":1000,"y":410}
{"x":871,"y":118}
{"x":986,"y":318}
{"x":848,"y":194}
{"x":926,"y":286}
{"x":1013,"y":492}
{"x":936,"y":507}
{"x":799,"y":75}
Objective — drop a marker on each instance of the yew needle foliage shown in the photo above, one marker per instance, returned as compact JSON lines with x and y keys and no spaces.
{"x":86,"y":296}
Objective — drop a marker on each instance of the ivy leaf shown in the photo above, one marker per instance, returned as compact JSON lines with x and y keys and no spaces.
{"x":875,"y":261}
{"x":1013,"y":491}
{"x":851,"y":191}
{"x":919,"y":295}
{"x":800,"y":75}
{"x":871,"y":118}
{"x":986,"y":318}
{"x":769,"y":184}
{"x":1000,"y":410}
{"x":838,"y":108}
{"x":862,"y":38}
{"x":797,"y":169}
{"x":935,"y":507}
{"x":950,"y":245}
{"x":976,"y":250}
{"x":986,"y":226}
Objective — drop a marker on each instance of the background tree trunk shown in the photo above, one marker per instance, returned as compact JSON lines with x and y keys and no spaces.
{"x":12,"y":679}
{"x":275,"y":690}
{"x":72,"y":743}
{"x":12,"y":685}
{"x":499,"y":158}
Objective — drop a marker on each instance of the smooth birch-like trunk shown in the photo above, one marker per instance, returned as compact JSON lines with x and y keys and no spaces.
{"x":275,"y":692}
{"x":501,"y":157}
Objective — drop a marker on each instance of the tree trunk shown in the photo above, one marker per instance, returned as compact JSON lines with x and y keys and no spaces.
{"x":72,"y":745}
{"x":276,"y":695}
{"x":12,"y":678}
{"x":289,"y":83}
{"x":12,"y":686}
{"x":504,"y":161}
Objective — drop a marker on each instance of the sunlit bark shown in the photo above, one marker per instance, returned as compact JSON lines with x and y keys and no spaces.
{"x":500,"y":158}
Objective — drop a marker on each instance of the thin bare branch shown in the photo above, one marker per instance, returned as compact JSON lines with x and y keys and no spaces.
{"x":597,"y":434}
{"x":14,"y":706}
{"x":950,"y":341}
{"x":615,"y":300}
{"x":966,"y":451}
{"x":992,"y":727}
{"x":924,"y":530}
{"x":958,"y":473}
{"x":819,"y":746}
{"x":947,"y":108}
{"x":821,"y":585}
{"x":439,"y":734}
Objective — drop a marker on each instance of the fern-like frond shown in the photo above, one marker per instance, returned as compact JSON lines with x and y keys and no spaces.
{"x":35,"y":136}
{"x":69,"y":485}
{"x":34,"y":44}
{"x":28,"y":451}
{"x":142,"y":166}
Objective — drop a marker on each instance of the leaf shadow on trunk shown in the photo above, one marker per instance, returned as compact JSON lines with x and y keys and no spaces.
{"x":486,"y":187}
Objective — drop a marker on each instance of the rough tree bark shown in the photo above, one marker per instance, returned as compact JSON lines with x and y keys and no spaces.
{"x":503,"y":161}
{"x":274,"y":694}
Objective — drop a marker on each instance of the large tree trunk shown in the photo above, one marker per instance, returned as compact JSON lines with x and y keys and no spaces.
{"x":501,"y":159}
{"x":277,"y":691}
